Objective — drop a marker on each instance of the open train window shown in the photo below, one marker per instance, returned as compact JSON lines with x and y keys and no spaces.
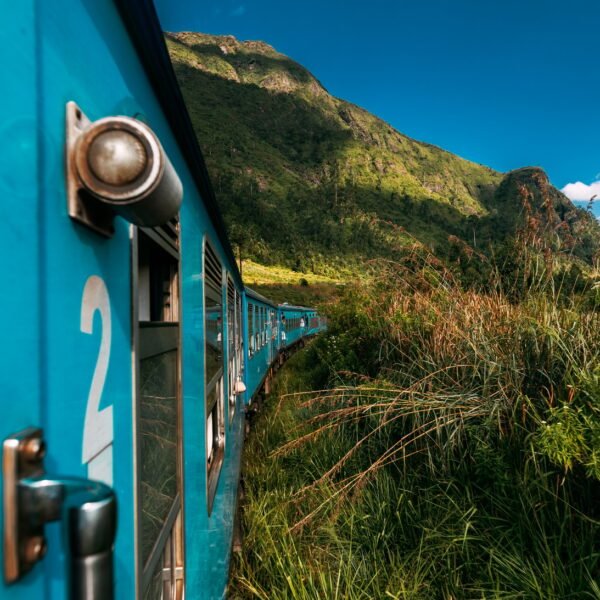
{"x":233,"y":354}
{"x":250,"y":329}
{"x":240,"y":337}
{"x":257,"y":322}
{"x":158,"y":409}
{"x":257,"y":328}
{"x":213,"y":369}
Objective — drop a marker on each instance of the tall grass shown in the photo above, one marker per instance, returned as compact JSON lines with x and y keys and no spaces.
{"x":455,"y":452}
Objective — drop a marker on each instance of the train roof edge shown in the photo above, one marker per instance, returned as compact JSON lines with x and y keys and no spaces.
{"x":144,"y":28}
{"x":254,"y":294}
{"x":280,"y":305}
{"x":295,"y":306}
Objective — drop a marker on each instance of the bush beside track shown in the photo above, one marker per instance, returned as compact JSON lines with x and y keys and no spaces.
{"x":454,"y":451}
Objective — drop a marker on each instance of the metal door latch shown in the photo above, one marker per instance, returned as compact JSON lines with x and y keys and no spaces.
{"x":88,"y":510}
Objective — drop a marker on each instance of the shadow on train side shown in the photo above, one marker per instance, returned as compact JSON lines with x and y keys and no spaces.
{"x":135,"y":346}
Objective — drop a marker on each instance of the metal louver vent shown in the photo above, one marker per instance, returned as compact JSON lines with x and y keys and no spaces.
{"x":230,"y":292}
{"x":166,"y":235}
{"x":212,"y":268}
{"x":170,"y":230}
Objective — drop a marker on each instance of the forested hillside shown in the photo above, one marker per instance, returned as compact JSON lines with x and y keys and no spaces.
{"x":314,"y":182}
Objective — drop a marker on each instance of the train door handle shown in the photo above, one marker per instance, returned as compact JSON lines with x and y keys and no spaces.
{"x":87,"y":509}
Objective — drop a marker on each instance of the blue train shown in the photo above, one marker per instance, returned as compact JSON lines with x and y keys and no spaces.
{"x":132,"y":346}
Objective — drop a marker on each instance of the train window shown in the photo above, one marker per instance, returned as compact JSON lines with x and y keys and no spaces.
{"x":232,"y":354}
{"x":260,"y":326}
{"x":157,"y":297}
{"x":256,"y":328}
{"x":266,"y":325}
{"x":213,"y":369}
{"x":250,"y":328}
{"x":158,"y":406}
{"x":240,"y":334}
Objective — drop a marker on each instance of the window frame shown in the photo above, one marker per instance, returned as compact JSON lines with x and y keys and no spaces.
{"x":215,"y":410}
{"x":164,"y":335}
{"x":250,"y":320}
{"x":233,"y":334}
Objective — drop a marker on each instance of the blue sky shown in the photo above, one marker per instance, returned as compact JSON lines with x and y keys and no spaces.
{"x":505,"y":83}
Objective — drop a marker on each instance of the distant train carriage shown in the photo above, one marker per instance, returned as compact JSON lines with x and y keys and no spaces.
{"x":296,"y":324}
{"x":132,"y":344}
{"x":261,"y":348}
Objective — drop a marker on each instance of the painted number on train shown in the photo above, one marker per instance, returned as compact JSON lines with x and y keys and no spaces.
{"x":98,"y":424}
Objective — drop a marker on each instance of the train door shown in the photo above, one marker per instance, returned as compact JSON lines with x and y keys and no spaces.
{"x":157,"y":413}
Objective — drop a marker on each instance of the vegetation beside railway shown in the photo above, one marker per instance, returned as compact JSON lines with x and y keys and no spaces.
{"x":454,"y":451}
{"x":282,"y":284}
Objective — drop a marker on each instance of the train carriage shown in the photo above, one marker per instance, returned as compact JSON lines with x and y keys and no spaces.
{"x":297,"y":323}
{"x":129,"y":357}
{"x":261,"y":351}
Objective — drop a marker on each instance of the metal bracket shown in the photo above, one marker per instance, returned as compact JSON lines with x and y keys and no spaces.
{"x":24,"y":543}
{"x":32,"y":499}
{"x":81,"y":205}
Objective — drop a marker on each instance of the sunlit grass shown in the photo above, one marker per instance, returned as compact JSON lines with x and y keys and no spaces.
{"x":281,"y":284}
{"x":257,"y":274}
{"x":452,"y":453}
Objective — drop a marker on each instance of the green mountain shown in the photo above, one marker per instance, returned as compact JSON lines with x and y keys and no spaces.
{"x":312,"y":181}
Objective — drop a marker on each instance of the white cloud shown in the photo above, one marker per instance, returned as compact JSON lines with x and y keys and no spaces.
{"x":240,"y":11}
{"x":581,"y":191}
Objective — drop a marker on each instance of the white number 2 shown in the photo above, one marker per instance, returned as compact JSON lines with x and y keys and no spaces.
{"x":98,"y":425}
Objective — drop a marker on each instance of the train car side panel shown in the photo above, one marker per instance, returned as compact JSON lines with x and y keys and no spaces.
{"x":21,"y":244}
